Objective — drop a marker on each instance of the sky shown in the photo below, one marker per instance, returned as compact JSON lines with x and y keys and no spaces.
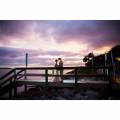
{"x":47,"y":40}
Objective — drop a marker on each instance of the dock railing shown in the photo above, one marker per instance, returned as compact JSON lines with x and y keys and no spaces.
{"x":72,"y":72}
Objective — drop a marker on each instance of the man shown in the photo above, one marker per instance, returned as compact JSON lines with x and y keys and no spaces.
{"x":60,"y":65}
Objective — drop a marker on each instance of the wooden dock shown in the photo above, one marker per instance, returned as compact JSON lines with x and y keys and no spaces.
{"x":19,"y":76}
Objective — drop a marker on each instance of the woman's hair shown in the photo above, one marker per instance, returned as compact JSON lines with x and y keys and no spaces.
{"x":56,"y":60}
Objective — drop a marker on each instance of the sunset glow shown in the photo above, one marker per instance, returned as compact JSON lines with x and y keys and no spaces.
{"x":46,"y":40}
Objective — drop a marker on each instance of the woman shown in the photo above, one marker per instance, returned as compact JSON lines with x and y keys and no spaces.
{"x":56,"y":79}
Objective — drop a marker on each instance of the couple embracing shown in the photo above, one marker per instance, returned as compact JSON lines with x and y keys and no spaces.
{"x":59,"y":69}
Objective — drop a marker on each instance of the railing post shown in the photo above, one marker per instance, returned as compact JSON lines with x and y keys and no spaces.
{"x":25,"y":74}
{"x":46,"y":76}
{"x":26,"y":63}
{"x":114,"y":66}
{"x":110,"y":81}
{"x":104,"y":72}
{"x":46,"y":81}
{"x":76,"y":76}
{"x":10,"y":91}
{"x":25,"y":88}
{"x":15,"y":87}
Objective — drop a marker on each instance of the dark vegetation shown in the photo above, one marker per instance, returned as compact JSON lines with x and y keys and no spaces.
{"x":101,"y":60}
{"x":91,"y":60}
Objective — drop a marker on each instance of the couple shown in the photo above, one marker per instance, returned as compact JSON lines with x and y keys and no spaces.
{"x":59,"y":69}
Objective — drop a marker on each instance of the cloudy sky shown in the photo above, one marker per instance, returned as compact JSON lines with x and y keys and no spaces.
{"x":46,"y":40}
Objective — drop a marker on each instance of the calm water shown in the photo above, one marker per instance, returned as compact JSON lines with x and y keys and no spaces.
{"x":4,"y":71}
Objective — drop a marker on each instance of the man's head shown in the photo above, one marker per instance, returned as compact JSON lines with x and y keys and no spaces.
{"x":59,"y":59}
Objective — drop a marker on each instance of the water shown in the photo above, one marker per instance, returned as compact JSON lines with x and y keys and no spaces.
{"x":3,"y":71}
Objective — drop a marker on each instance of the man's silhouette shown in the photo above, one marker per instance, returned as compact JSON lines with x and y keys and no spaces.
{"x":60,"y":65}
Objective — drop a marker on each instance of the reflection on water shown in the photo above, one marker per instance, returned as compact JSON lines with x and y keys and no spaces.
{"x":3,"y":71}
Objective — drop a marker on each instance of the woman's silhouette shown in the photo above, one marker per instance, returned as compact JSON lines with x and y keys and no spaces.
{"x":56,"y":79}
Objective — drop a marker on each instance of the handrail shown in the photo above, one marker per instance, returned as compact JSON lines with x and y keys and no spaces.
{"x":84,"y":67}
{"x":11,"y":77}
{"x":75,"y":74}
{"x":50,"y":68}
{"x":19,"y":74}
{"x":4,"y":76}
{"x":10,"y":72}
{"x":6,"y":80}
{"x":70,"y":75}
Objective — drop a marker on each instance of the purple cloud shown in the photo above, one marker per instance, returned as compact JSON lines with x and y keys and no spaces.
{"x":16,"y":56}
{"x":95,"y":33}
